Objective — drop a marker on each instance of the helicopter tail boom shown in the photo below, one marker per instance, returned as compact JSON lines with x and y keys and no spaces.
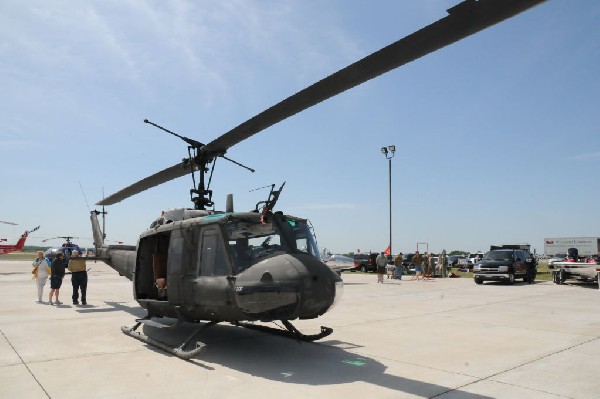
{"x":119,"y":257}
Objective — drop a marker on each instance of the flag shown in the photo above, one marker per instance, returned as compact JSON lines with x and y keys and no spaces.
{"x":387,"y":250}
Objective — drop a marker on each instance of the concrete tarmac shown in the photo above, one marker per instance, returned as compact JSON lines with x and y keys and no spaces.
{"x":446,"y":338}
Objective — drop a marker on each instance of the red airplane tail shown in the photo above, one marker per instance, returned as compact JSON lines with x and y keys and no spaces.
{"x":21,"y":243}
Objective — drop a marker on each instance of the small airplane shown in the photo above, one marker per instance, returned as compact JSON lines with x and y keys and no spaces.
{"x":337,"y":262}
{"x":201,"y":264}
{"x":5,"y":249}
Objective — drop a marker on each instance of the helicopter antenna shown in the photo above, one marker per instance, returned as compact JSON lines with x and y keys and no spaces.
{"x":260,"y":188}
{"x":84,"y":197}
{"x":103,"y":218}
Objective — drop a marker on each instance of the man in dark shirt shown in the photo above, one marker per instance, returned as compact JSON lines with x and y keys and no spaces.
{"x":56,"y":277}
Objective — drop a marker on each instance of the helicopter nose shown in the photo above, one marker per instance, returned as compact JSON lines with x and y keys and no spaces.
{"x":321,"y":287}
{"x":287,"y":287}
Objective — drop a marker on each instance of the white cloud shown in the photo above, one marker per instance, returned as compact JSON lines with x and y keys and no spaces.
{"x":590,"y":156}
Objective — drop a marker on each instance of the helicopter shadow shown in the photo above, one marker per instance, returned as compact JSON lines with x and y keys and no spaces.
{"x":346,"y":283}
{"x":136,"y":311}
{"x":286,"y":360}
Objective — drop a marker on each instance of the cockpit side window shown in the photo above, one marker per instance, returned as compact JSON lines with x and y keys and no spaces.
{"x":301,"y":237}
{"x":212,"y":257}
{"x":239,"y":252}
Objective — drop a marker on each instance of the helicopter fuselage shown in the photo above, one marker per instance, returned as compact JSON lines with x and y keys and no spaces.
{"x":199,"y":265}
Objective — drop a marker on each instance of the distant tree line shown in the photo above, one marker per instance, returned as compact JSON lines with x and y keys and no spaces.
{"x":34,"y":248}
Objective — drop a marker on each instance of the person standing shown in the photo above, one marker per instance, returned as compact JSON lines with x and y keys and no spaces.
{"x":531,"y":264}
{"x":56,"y":277}
{"x":79,"y":278}
{"x":426,"y":266}
{"x":443,"y":264}
{"x":381,"y":263}
{"x":417,"y":260}
{"x":390,"y":268}
{"x":41,"y":271}
{"x":398,"y":264}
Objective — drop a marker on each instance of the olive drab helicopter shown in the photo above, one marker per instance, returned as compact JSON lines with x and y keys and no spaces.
{"x":207,"y":266}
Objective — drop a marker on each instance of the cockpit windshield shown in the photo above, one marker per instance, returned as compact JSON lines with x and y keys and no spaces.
{"x":250,"y":240}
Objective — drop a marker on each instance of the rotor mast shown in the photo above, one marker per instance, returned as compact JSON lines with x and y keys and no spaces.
{"x":198,"y":159}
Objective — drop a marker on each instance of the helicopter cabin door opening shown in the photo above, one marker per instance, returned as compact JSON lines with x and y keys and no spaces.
{"x":151,"y":268}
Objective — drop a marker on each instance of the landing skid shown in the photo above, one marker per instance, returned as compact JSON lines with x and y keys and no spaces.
{"x":182,"y":353}
{"x":290,"y":331}
{"x":179,"y":351}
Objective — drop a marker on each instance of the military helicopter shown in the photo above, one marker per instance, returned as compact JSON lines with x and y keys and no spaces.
{"x":242,"y":267}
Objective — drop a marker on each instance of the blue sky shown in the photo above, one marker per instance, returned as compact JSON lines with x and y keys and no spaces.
{"x":498,"y":136}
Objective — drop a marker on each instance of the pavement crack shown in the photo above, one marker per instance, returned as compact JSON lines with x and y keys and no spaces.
{"x":489,"y":377}
{"x":25,"y":364}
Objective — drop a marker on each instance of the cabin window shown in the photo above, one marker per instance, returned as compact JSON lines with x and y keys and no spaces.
{"x":175,"y":255}
{"x":212,"y":260}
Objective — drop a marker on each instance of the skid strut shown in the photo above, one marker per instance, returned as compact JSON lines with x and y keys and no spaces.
{"x":290,"y":331}
{"x":179,"y":351}
{"x":182,"y":353}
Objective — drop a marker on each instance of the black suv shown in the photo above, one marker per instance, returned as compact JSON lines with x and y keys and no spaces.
{"x":365,"y":262}
{"x":505,"y":265}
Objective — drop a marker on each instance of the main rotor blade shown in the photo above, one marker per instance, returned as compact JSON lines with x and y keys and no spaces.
{"x":11,"y":223}
{"x":464,"y":19}
{"x":156,"y":179}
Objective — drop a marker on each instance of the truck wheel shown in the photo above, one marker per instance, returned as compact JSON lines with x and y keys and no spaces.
{"x":363,"y":269}
{"x":478,"y":281}
{"x":561,"y":276}
{"x":511,"y":278}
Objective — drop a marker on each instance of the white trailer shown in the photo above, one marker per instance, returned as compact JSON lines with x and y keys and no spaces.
{"x":584,"y":271}
{"x":586,"y":246}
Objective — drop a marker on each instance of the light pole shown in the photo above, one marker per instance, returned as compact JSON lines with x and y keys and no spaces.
{"x":388,"y":152}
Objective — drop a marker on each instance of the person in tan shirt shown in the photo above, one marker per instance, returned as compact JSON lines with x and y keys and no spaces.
{"x":79,"y":277}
